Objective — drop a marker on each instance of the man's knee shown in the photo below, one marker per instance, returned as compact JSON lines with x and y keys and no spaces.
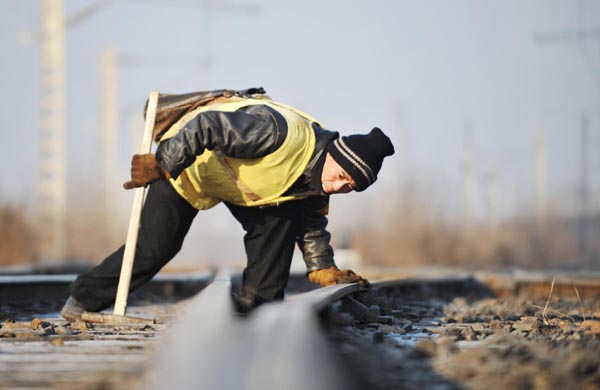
{"x":158,"y":251}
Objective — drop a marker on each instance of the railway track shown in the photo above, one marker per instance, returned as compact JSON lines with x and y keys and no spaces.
{"x":449,"y":332}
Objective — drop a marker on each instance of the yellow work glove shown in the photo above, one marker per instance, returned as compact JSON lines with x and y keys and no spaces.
{"x":333,"y":275}
{"x":144,"y":170}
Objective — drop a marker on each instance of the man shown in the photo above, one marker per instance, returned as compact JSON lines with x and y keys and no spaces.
{"x":273,"y":166}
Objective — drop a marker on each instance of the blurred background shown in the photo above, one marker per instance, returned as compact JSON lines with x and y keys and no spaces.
{"x":493,"y":107}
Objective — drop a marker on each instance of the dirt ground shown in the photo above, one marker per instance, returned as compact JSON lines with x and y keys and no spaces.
{"x":39,"y":349}
{"x":437,"y":340}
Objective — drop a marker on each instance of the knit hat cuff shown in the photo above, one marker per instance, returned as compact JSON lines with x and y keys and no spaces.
{"x":358,"y":169}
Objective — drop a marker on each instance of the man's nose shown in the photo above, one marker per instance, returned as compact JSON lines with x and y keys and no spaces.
{"x":338,"y":185}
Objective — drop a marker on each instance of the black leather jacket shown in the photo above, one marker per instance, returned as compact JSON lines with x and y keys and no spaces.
{"x":252,"y":132}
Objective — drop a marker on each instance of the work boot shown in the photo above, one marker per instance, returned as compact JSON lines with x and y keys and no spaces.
{"x":72,"y":310}
{"x":244,"y":304}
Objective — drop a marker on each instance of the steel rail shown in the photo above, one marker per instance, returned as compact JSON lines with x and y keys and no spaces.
{"x":29,"y":289}
{"x":278,"y":346}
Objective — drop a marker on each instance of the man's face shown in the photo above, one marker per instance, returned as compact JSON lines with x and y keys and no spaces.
{"x":334,"y":179}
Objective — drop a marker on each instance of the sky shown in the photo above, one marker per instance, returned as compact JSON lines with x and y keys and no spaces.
{"x":434,"y":75}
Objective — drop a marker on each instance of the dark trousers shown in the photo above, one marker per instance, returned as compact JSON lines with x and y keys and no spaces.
{"x":166,"y":218}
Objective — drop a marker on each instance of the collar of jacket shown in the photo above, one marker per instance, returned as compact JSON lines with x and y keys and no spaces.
{"x":310,"y":182}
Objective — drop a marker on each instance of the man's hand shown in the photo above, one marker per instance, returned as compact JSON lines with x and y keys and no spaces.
{"x":145,"y":170}
{"x":333,"y":275}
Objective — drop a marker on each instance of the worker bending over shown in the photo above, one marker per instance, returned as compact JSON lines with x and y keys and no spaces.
{"x":273,"y":166}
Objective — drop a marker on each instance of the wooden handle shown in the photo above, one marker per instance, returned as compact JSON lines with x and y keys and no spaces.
{"x":136,"y":212}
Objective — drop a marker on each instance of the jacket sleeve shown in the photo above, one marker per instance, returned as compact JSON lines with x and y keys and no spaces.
{"x":313,"y":237}
{"x":252,"y":132}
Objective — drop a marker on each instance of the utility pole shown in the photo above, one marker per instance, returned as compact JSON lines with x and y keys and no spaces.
{"x":51,"y":189}
{"x":539,"y":177}
{"x":491,"y":181}
{"x":109,"y":130}
{"x":468,"y":179}
{"x":582,"y":226}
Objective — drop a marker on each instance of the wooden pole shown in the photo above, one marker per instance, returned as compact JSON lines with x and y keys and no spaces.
{"x":136,"y":211}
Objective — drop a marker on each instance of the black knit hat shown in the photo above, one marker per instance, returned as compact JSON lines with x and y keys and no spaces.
{"x":361,"y":155}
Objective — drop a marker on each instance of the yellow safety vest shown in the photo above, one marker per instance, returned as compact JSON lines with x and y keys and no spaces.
{"x":214,"y":177}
